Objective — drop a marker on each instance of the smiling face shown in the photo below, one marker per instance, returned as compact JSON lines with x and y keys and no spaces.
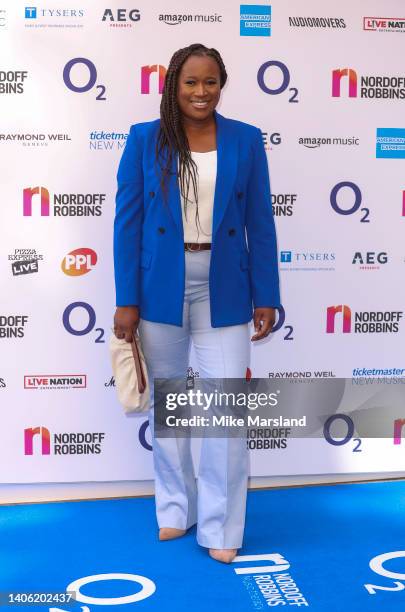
{"x":198,"y":89}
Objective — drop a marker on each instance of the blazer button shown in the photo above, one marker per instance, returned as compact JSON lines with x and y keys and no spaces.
{"x":161,"y":230}
{"x":240,"y":195}
{"x":231,"y":232}
{"x":152,"y":194}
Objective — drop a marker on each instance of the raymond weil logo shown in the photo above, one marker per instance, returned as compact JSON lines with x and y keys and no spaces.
{"x":369,"y":322}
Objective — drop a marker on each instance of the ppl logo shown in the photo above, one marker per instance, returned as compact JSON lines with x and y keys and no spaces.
{"x":331,"y":313}
{"x":147,"y":71}
{"x":337,"y":75}
{"x":79,"y":262}
{"x":28,"y":193}
{"x":45,"y":438}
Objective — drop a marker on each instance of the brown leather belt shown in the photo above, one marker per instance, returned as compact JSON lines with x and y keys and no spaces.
{"x":197,"y":246}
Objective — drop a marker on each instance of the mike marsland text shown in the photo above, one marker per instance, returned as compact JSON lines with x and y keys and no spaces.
{"x":231,"y":421}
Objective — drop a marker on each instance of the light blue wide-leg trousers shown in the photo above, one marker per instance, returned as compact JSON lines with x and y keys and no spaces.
{"x":217,"y":501}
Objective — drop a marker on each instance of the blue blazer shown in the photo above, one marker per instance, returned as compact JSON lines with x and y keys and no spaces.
{"x":149,"y":259}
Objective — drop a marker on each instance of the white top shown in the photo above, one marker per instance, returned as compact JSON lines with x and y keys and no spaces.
{"x":206,"y":178}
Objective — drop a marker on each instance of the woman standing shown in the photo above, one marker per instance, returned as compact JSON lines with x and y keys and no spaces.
{"x":192,"y":186}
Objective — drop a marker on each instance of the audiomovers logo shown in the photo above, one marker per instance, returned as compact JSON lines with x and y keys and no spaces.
{"x":317,"y":22}
{"x":368,"y":322}
{"x":55,"y":381}
{"x":384,"y":24}
{"x":79,"y":262}
{"x":64,"y":204}
{"x":390,"y":143}
{"x":81,"y":443}
{"x":371,"y":87}
{"x":255,"y":20}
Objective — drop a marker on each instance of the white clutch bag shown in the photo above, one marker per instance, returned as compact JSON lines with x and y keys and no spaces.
{"x":130,"y":373}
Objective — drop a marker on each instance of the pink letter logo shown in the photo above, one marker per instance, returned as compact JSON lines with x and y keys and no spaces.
{"x":27,"y":201}
{"x":45,"y":440}
{"x":146,"y":71}
{"x":330,"y":318}
{"x":398,"y":425}
{"x":336,"y":77}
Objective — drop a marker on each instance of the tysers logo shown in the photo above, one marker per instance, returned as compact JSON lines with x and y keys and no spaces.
{"x":357,"y":201}
{"x":82,"y":66}
{"x":285,"y":76}
{"x":146,"y":72}
{"x":79,"y":262}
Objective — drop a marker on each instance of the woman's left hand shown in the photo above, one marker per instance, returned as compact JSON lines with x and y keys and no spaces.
{"x":264,"y":319}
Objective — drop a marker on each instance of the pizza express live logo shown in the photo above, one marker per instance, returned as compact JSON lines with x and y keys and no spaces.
{"x":81,"y":443}
{"x":24,"y":261}
{"x":64,"y":204}
{"x":372,"y":87}
{"x":368,"y":322}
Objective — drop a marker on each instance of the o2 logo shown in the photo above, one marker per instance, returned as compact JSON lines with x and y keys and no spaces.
{"x":349,"y":435}
{"x":357,"y":201}
{"x":279,"y":324}
{"x":148,"y":588}
{"x":66,"y":319}
{"x":142,"y":436}
{"x":285,"y":75}
{"x":377,"y":565}
{"x":92,"y":77}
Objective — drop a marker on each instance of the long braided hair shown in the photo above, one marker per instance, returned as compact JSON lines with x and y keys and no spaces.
{"x":172,"y":138}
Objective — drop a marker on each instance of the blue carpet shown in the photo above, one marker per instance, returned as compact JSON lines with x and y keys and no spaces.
{"x":324,"y":537}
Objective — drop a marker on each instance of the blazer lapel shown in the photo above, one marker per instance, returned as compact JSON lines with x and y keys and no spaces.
{"x":227,"y":162}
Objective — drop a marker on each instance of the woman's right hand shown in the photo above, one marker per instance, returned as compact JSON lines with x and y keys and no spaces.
{"x":126,"y":320}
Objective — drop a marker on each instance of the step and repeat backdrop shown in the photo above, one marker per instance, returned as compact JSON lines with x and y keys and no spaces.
{"x":325,"y":83}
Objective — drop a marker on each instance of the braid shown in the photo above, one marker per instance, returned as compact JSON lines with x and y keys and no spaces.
{"x":172,"y":137}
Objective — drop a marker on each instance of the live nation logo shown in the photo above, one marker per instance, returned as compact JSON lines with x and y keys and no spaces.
{"x":55,"y":381}
{"x":384,"y":24}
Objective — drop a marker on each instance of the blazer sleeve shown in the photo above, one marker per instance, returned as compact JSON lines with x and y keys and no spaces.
{"x":261,"y":231}
{"x":128,"y":223}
